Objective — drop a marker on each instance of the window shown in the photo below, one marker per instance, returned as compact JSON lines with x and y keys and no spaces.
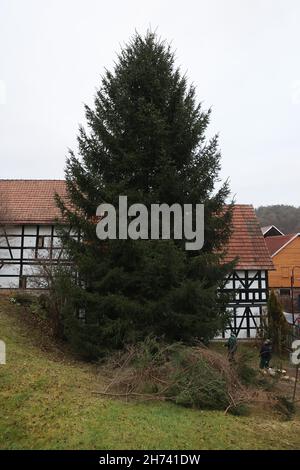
{"x":284,"y":292}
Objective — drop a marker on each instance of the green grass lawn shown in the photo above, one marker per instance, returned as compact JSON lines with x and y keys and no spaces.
{"x":47,"y":402}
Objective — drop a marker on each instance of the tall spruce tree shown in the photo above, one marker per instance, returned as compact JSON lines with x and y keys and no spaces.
{"x":145,"y":139}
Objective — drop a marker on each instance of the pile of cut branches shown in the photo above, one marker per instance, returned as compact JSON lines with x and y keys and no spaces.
{"x":190,"y":376}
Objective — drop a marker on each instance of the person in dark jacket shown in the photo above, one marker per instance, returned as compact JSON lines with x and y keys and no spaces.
{"x":231,"y":346}
{"x":265,"y":354}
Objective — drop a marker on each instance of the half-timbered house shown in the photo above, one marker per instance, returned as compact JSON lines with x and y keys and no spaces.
{"x":28,"y":237}
{"x":248,"y":283}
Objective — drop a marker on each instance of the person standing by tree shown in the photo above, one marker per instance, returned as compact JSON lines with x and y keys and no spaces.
{"x":231,"y":346}
{"x":265,"y":354}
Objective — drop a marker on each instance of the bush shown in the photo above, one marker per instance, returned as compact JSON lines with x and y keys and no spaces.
{"x":43,"y":308}
{"x":278,"y":327}
{"x":43,"y":301}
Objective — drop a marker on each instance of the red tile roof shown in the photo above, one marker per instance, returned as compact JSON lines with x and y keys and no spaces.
{"x":247,"y":241}
{"x":32,"y":201}
{"x":275,"y":243}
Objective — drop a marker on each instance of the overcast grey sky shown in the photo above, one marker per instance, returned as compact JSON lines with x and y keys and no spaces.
{"x":242,"y":55}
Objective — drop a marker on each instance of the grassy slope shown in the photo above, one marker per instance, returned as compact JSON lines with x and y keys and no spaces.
{"x":47,"y":402}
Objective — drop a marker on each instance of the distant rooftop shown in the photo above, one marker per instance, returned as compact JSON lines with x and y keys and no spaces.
{"x":271,"y":230}
{"x":276,"y":244}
